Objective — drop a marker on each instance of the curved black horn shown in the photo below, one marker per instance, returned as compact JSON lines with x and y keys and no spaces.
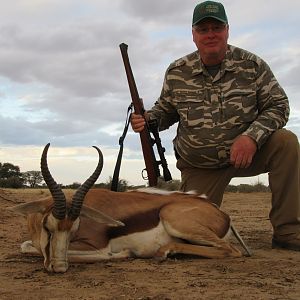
{"x":78,"y":197}
{"x":59,"y":209}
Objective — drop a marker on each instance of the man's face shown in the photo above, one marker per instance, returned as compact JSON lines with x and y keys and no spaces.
{"x":210,"y":37}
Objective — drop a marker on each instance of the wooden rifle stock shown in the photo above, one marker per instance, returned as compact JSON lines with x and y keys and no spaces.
{"x":146,"y":141}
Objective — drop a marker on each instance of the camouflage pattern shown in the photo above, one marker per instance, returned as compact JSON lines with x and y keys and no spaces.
{"x":244,"y":98}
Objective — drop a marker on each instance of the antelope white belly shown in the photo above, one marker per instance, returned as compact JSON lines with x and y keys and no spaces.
{"x":142,"y":244}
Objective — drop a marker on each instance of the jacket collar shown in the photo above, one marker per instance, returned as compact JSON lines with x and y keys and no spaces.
{"x":227,"y":63}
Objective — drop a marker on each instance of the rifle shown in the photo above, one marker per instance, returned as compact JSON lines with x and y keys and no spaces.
{"x":152,"y":165}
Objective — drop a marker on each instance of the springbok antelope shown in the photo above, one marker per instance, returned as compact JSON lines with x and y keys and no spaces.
{"x":112,"y":225}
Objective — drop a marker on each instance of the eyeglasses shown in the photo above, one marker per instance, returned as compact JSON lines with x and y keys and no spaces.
{"x":218,"y":28}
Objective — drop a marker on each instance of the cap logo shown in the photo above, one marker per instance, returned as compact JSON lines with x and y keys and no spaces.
{"x":210,"y":8}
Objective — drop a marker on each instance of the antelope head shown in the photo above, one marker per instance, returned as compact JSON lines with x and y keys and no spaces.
{"x":53,"y":226}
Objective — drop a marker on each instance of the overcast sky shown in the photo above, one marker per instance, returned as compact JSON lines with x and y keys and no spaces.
{"x":62,"y":79}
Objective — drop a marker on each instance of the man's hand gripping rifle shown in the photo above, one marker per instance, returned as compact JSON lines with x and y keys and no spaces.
{"x":152,"y":165}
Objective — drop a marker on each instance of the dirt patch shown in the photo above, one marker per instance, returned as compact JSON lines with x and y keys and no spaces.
{"x":268,"y":274}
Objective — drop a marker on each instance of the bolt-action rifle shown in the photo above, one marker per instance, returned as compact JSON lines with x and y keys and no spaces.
{"x":147,"y":141}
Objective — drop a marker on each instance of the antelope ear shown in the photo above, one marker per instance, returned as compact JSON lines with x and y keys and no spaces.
{"x":99,"y":216}
{"x":29,"y":208}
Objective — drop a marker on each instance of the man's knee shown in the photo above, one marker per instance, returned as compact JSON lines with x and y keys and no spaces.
{"x":283,"y":136}
{"x":284,"y":139}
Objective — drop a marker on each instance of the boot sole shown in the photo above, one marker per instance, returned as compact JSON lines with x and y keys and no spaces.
{"x":285,"y":245}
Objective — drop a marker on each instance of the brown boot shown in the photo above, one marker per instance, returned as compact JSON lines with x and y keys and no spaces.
{"x":289,"y":243}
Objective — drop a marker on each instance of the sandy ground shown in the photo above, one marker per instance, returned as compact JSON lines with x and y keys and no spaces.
{"x":268,"y":274}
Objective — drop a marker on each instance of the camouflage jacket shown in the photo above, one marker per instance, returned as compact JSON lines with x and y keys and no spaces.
{"x":244,"y":98}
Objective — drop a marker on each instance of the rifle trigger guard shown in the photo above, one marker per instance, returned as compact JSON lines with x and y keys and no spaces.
{"x":143,"y":176}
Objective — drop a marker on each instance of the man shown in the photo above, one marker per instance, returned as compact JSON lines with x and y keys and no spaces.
{"x":230,"y":111}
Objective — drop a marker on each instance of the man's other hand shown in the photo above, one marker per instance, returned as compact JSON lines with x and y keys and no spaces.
{"x":242,"y":151}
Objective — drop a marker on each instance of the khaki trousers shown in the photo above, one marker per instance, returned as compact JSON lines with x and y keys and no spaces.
{"x":280,"y":158}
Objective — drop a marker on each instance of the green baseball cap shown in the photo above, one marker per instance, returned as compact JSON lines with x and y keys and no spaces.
{"x":209,"y":9}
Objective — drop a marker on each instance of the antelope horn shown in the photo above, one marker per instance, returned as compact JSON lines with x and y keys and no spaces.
{"x":59,"y":209}
{"x":78,"y":197}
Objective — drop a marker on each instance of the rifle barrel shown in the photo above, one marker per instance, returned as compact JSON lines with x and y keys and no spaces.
{"x":148,"y":153}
